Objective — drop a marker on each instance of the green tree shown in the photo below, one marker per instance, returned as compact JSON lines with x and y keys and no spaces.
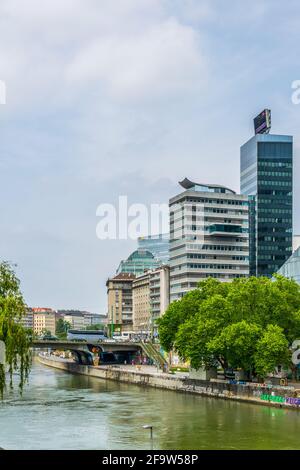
{"x":16,"y":338}
{"x":229,"y":323}
{"x":236,"y":345}
{"x":62,"y":328}
{"x":271,"y":350}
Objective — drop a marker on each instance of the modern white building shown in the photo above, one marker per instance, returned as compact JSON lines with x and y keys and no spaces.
{"x":291,"y":268}
{"x":296,"y":242}
{"x":209,"y":236}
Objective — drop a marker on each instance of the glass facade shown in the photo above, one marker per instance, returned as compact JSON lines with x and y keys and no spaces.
{"x":158,"y":245}
{"x":138,"y":262}
{"x":267,"y":178}
{"x":291,"y":268}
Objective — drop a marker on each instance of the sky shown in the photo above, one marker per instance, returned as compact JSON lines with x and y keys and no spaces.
{"x":127,"y":97}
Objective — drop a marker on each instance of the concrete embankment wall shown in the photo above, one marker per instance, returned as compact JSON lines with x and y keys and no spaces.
{"x":274,"y":396}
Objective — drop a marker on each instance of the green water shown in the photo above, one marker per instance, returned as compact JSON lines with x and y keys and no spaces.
{"x":63,"y":411}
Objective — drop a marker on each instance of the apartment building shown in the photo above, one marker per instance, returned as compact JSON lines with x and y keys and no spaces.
{"x":119,"y":299}
{"x":44,"y":321}
{"x":159,"y":291}
{"x":141,"y":312}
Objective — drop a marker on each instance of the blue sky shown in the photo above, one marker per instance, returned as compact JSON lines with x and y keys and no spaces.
{"x":126,"y":97}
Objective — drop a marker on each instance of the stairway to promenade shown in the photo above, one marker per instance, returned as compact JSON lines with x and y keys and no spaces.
{"x":150,"y":350}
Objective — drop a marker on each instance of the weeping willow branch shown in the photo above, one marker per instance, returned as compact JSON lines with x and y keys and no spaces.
{"x":14,"y":335}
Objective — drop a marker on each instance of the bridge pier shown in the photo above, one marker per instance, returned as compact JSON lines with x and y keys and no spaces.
{"x":83,"y":358}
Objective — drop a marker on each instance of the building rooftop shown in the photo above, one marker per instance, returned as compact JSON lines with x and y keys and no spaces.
{"x":216,"y":188}
{"x":123,"y":276}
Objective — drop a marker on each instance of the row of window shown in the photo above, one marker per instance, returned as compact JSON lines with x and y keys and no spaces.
{"x":226,"y":221}
{"x":225,"y":229}
{"x":273,"y":248}
{"x":210,"y":266}
{"x":193,"y":238}
{"x":193,"y":285}
{"x":219,"y":201}
{"x":275,"y":220}
{"x":214,"y":247}
{"x":280,"y":231}
{"x":275,"y":183}
{"x":275,"y":210}
{"x":273,"y":239}
{"x":275,"y":173}
{"x":285,"y":202}
{"x":275,"y":164}
{"x":222,"y":247}
{"x":269,"y":258}
{"x":275,"y":192}
{"x":200,"y":256}
{"x":223,"y":211}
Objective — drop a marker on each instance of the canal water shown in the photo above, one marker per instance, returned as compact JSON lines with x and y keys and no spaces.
{"x":63,"y":411}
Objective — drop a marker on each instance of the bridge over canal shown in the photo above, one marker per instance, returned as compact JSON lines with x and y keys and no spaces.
{"x":83,"y":350}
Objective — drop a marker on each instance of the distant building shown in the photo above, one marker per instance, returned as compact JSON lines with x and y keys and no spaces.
{"x":42,"y":309}
{"x":138,"y":262}
{"x":158,"y":245}
{"x":141,"y":313}
{"x":208,"y":236}
{"x":119,"y":300}
{"x":94,"y":319}
{"x":291,"y":268}
{"x":150,"y":299}
{"x":75,"y":320}
{"x":159,"y":293}
{"x":27,"y":319}
{"x":44,"y":321}
{"x":81,"y":319}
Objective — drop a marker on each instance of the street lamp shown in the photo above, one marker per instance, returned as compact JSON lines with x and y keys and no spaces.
{"x":148,"y":426}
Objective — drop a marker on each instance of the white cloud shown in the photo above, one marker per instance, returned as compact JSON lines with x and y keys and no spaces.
{"x":128,"y":48}
{"x":162,"y":60}
{"x":105,"y":97}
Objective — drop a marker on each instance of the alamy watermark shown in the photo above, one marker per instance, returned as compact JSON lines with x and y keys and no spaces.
{"x":296,"y":353}
{"x":2,"y":92}
{"x":130,"y":221}
{"x":296,"y":93}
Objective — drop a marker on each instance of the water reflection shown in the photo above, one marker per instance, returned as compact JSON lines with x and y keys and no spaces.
{"x":64,"y":411}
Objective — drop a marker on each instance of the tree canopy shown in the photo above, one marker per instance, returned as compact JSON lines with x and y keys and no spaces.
{"x":248,"y":323}
{"x":15,"y":337}
{"x":62,"y":328}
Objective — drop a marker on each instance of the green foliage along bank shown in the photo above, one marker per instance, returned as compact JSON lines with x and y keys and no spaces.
{"x":247,"y":323}
{"x":16,"y":338}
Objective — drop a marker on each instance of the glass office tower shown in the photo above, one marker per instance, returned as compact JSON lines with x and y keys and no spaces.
{"x":267,"y":178}
{"x":158,"y":245}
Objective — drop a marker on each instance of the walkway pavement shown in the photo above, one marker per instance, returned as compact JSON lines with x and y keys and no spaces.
{"x":144,"y":369}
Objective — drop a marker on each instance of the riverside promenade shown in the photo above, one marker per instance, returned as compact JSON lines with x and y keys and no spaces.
{"x":260,"y":394}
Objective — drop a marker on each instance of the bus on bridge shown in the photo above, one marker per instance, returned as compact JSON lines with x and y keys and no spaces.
{"x":86,"y":335}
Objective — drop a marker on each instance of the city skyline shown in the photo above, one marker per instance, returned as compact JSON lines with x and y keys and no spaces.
{"x":181,"y":114}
